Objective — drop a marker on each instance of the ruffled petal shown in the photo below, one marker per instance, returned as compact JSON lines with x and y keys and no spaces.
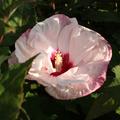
{"x":41,"y":37}
{"x":22,"y":50}
{"x":86,"y":45}
{"x":91,"y":54}
{"x":45,"y":34}
{"x":66,"y":35}
{"x":40,"y":69}
{"x":79,"y":81}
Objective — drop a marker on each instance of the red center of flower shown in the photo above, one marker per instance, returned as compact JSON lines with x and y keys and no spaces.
{"x":60,"y":62}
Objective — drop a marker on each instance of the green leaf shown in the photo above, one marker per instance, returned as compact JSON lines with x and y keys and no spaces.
{"x":101,"y":16}
{"x":4,"y":51}
{"x":116,"y":36}
{"x":116,"y":70}
{"x":109,"y":100}
{"x":1,"y":28}
{"x":118,"y":110}
{"x":1,"y":89}
{"x":116,"y":80}
{"x":12,"y":96}
{"x":40,"y":106}
{"x":105,"y":103}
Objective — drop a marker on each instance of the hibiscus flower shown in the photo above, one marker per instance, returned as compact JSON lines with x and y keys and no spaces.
{"x":72,"y":60}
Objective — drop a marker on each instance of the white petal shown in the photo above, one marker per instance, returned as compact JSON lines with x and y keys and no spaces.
{"x":79,"y":82}
{"x":22,"y":50}
{"x":87,"y":45}
{"x":65,"y":37}
{"x":91,"y":54}
{"x":41,"y":69}
{"x":41,"y":37}
{"x":46,"y":33}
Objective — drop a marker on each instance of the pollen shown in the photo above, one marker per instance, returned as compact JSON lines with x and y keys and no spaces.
{"x":58,"y":61}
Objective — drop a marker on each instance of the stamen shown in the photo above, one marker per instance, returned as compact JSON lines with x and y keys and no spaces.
{"x":61,"y":62}
{"x":58,"y":61}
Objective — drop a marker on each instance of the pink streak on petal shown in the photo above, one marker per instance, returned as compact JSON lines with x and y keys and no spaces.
{"x":26,"y":34}
{"x":13,"y":59}
{"x":63,"y":20}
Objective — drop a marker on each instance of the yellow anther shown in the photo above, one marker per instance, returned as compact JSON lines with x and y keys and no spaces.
{"x":58,"y":61}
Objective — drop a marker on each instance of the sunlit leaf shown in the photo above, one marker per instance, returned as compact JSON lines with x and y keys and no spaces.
{"x":116,"y":80}
{"x":12,"y":96}
{"x":118,"y":110}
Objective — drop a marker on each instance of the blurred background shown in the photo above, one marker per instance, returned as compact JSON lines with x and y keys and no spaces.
{"x":26,"y":100}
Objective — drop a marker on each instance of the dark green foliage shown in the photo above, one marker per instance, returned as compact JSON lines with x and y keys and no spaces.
{"x":11,"y":90}
{"x":26,"y":100}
